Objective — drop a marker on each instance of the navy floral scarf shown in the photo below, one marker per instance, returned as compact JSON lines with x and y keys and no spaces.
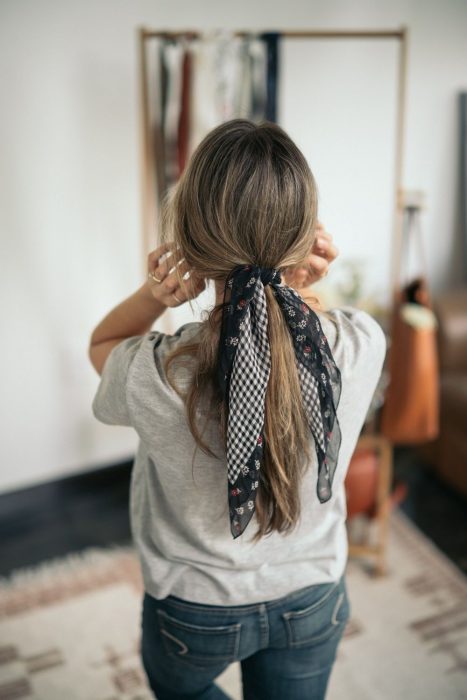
{"x":243,"y":373}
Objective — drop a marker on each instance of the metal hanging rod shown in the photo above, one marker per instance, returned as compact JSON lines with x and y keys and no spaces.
{"x":290,"y":34}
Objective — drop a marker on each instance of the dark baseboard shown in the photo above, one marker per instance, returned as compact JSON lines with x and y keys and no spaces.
{"x":65,"y":515}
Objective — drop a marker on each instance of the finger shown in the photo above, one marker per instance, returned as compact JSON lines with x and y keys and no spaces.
{"x":333,"y":252}
{"x":171,"y":281}
{"x":168,"y":274}
{"x":318,"y":265}
{"x":189,"y":290}
{"x":154,"y":255}
{"x":191,"y":284}
{"x":300,"y":278}
{"x":326,"y":249}
{"x":164,"y":267}
{"x":325,"y":235}
{"x":163,"y":259}
{"x":166,"y":296}
{"x":329,"y":250}
{"x":169,"y":266}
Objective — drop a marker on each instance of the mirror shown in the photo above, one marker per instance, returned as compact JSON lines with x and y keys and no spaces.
{"x":349,"y":97}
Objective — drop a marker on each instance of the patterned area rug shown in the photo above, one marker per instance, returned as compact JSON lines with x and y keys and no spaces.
{"x":69,"y":629}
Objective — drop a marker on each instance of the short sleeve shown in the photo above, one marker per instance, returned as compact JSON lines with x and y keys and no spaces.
{"x":110,"y":404}
{"x":359,"y":346}
{"x":356,"y":339}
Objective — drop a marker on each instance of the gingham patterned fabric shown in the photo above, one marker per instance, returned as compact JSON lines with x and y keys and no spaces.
{"x":243,"y":373}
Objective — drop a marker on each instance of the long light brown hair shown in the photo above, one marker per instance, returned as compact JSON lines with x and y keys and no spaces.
{"x":247,"y":196}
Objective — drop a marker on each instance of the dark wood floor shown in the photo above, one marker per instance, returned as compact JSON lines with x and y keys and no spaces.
{"x":68,"y":515}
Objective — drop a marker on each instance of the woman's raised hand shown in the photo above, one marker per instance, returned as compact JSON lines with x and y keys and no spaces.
{"x":168,"y":290}
{"x":316,"y":266}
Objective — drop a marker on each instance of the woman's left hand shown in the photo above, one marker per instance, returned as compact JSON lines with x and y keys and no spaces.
{"x":165,"y":271}
{"x":316,"y":266}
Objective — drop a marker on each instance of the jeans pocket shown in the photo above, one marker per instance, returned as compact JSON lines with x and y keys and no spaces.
{"x":320,"y":620}
{"x":199,"y":645}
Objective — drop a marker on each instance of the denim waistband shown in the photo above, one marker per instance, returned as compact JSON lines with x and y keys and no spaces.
{"x":239,"y":609}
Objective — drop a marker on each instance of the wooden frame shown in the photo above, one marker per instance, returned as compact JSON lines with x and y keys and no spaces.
{"x":149,"y":210}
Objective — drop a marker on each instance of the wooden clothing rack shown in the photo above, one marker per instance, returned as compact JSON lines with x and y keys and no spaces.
{"x":149,"y":212}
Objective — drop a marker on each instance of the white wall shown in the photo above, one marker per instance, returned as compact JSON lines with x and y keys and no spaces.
{"x":70,"y":189}
{"x":338,"y":101}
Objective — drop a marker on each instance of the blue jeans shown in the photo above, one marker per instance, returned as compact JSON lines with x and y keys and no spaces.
{"x":286,"y":646}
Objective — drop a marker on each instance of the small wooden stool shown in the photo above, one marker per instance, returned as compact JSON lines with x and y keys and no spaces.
{"x":368,"y":487}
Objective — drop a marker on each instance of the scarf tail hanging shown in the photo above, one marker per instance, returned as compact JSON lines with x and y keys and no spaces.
{"x":320,"y":383}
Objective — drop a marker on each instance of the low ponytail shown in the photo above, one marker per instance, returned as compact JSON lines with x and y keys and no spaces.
{"x":287,"y":434}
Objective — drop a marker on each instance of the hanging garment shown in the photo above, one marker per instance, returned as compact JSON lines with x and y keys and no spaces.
{"x":244,"y":97}
{"x":272,"y":40}
{"x":204,"y":112}
{"x":258,"y":71}
{"x":155,"y":99}
{"x":226,"y":65}
{"x":173,"y":52}
{"x":184,"y":119}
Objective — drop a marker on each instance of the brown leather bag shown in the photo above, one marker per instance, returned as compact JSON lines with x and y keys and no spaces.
{"x":410,"y":413}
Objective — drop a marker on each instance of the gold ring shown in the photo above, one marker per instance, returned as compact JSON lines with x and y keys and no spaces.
{"x":179,"y":300}
{"x":151,"y":274}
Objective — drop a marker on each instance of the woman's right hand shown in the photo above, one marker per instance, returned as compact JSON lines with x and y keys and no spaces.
{"x":316,"y":266}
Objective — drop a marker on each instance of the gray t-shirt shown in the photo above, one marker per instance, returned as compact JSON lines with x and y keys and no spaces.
{"x":181,"y":528}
